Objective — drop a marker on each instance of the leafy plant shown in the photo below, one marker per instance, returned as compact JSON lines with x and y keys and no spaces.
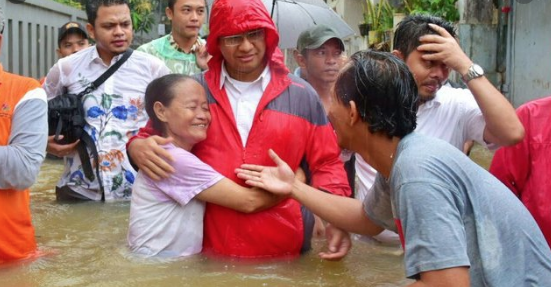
{"x":445,"y":9}
{"x":141,"y":13}
{"x":379,"y":15}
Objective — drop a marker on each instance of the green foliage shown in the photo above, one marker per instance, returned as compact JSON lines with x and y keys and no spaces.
{"x":378,"y":16}
{"x":142,"y":16}
{"x":141,"y":12}
{"x":442,"y":8}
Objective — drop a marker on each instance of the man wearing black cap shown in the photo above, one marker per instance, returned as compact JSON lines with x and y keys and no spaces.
{"x":320,"y":55}
{"x":72,"y":38}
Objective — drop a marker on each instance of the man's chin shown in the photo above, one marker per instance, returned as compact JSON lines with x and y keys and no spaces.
{"x":426,"y":98}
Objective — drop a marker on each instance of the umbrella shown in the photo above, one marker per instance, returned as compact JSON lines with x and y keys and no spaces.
{"x":294,"y":16}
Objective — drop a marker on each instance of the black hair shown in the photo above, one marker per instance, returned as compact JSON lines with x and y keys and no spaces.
{"x":171,"y":4}
{"x":92,"y":7}
{"x":384,"y":91}
{"x":409,"y":30}
{"x":162,"y":90}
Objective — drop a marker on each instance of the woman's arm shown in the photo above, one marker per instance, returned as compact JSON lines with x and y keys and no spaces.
{"x":232,"y":195}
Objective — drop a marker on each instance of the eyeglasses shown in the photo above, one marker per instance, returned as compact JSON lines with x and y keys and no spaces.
{"x":236,"y":40}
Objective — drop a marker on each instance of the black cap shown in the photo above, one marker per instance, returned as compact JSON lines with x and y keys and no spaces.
{"x":71,"y":27}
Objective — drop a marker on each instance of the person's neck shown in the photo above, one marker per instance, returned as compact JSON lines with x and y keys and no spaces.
{"x":245,"y":77}
{"x":185,"y":43}
{"x":378,"y":150}
{"x":106,"y":56}
{"x":178,"y":142}
{"x":324,"y":92}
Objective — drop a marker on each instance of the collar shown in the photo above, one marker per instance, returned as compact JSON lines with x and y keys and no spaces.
{"x":94,"y":57}
{"x":264,"y":77}
{"x":176,"y":47}
{"x":434,"y":103}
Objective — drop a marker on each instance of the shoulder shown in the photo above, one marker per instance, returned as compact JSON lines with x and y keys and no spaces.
{"x":413,"y":151}
{"x":184,"y":160}
{"x":151,"y":46}
{"x":534,"y":106}
{"x":22,"y":87}
{"x":450,"y":95}
{"x":301,"y":100}
{"x":148,"y":61}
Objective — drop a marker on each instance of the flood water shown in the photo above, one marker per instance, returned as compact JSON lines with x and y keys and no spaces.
{"x":86,"y":243}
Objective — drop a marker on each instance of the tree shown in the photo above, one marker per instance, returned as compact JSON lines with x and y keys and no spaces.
{"x":141,"y":12}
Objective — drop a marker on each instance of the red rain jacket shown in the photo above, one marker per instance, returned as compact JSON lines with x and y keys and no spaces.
{"x":288,"y":119}
{"x":526,"y":167}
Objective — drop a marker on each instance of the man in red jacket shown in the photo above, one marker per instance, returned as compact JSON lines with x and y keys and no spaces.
{"x":256,"y":105}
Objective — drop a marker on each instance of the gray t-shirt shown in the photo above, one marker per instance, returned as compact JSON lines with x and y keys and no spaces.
{"x":450,"y":212}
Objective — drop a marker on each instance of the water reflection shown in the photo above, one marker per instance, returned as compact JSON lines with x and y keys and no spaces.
{"x":88,"y":242}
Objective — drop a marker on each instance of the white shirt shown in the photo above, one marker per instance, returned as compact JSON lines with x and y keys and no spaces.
{"x":244,"y":98}
{"x":114,"y":113}
{"x":166,"y":219}
{"x":453,"y":116}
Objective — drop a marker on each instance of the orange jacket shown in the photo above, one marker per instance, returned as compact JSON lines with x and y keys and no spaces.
{"x":17,"y":239}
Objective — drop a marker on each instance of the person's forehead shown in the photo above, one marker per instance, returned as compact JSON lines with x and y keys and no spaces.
{"x":190,"y":3}
{"x":74,"y":36}
{"x":113,"y":13}
{"x":333,"y":43}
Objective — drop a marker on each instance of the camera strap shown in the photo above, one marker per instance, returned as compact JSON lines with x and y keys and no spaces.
{"x":86,"y":140}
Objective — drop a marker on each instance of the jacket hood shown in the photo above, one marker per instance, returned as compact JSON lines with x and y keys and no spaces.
{"x":232,"y":17}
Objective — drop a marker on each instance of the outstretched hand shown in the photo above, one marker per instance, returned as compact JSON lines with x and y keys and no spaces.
{"x":277,"y":179}
{"x":445,"y":48}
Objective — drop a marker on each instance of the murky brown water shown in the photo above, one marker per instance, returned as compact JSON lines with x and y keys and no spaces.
{"x":89,"y":245}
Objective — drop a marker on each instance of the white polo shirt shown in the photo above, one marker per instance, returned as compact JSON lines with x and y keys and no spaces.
{"x":244,"y":98}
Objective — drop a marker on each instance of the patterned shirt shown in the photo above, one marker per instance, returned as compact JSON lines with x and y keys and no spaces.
{"x":178,"y":61}
{"x":114,"y":113}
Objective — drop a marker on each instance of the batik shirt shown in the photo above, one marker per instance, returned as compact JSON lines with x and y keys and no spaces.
{"x":178,"y":61}
{"x":114,"y":112}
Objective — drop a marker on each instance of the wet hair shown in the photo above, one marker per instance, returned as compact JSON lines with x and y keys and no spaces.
{"x":409,"y":30}
{"x":383,"y":90}
{"x":162,"y":90}
{"x":92,"y":7}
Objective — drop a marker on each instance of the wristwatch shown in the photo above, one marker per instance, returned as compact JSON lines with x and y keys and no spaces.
{"x":475,"y":71}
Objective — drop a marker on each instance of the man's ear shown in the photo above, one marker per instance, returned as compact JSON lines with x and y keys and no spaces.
{"x":169,"y":13}
{"x":299,"y":58}
{"x":354,"y":115}
{"x":91,"y":31}
{"x":398,"y":54}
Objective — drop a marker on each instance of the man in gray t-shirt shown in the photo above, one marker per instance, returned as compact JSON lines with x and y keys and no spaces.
{"x":450,"y":212}
{"x":459,"y":225}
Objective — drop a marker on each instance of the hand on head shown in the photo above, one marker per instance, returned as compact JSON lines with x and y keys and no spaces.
{"x":444,"y":48}
{"x":278,"y":179}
